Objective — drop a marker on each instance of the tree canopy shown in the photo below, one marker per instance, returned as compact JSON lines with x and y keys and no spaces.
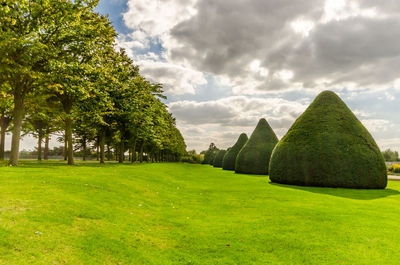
{"x":60,"y":72}
{"x":210,"y":154}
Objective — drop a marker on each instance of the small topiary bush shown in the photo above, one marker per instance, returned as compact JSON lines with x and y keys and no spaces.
{"x":228,"y":163}
{"x":218,"y":158}
{"x":254,"y":157}
{"x":328,"y":146}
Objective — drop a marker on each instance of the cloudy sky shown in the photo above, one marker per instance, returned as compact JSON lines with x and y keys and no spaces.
{"x":227,"y":63}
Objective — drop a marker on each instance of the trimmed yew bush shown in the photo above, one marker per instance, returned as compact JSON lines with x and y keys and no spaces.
{"x":328,"y":146}
{"x":254,"y":157}
{"x":218,"y":158}
{"x":228,"y":163}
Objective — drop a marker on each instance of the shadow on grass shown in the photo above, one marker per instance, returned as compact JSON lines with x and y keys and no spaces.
{"x":356,"y":194}
{"x":78,"y":163}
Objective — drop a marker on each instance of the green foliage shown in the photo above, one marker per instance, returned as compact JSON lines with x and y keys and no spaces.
{"x":228,"y":163}
{"x":210,"y":154}
{"x":254,"y":157}
{"x":219,"y":158}
{"x":192,"y":157}
{"x":65,"y":51}
{"x":395,"y":168}
{"x":328,"y":146}
{"x":390,"y":156}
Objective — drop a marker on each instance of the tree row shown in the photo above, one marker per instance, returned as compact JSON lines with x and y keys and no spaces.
{"x":60,"y":72}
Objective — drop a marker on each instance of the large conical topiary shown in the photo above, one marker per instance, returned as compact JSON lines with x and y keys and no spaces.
{"x":228,"y":163}
{"x":328,"y":146}
{"x":218,"y":158}
{"x":254,"y":157}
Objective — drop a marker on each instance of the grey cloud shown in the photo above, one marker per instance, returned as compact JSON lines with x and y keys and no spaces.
{"x":225,"y":36}
{"x":361,"y":50}
{"x":202,"y":113}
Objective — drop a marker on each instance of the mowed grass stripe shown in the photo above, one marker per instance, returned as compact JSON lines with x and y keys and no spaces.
{"x":173,"y":213}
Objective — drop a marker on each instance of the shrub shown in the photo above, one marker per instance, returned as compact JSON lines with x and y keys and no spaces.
{"x":218,"y":158}
{"x":328,"y":146}
{"x":228,"y":163}
{"x":396,"y":168}
{"x":192,"y":157}
{"x":254,"y":157}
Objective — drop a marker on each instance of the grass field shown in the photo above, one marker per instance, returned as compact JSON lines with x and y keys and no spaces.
{"x":188,"y":214}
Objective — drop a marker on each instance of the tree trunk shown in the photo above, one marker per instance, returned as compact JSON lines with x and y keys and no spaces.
{"x":68,"y":134}
{"x":108,"y":153}
{"x":18,"y":115}
{"x":65,"y":146}
{"x":39,"y":147}
{"x":46,"y":147}
{"x":134,"y":151}
{"x":84,"y":148}
{"x":98,"y":149}
{"x":130,"y":152}
{"x":141,"y":153}
{"x":2,"y":139}
{"x":101,"y":144}
{"x":121,"y":152}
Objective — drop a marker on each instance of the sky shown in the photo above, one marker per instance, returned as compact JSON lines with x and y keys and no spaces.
{"x":225,"y":64}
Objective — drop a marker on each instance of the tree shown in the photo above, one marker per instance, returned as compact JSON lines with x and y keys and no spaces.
{"x":64,"y":50}
{"x":328,"y":146}
{"x":83,"y":37}
{"x":23,"y":51}
{"x":254,"y":157}
{"x":210,"y":154}
{"x":40,"y":118}
{"x":390,"y":155}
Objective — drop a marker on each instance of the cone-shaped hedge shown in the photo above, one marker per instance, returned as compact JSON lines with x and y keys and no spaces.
{"x":228,"y":163}
{"x":328,"y":146}
{"x":254,"y":157}
{"x":218,"y":158}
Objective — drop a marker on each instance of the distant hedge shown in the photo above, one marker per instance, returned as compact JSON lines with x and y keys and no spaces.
{"x":218,"y":158}
{"x":328,"y":146}
{"x":228,"y":163}
{"x":254,"y":157}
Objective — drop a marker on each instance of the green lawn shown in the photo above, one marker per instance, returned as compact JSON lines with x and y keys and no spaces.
{"x":188,"y":214}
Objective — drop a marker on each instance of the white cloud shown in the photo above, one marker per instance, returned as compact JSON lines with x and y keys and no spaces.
{"x":343,"y":9}
{"x":156,"y":18}
{"x":176,"y":79}
{"x":377,"y":125}
{"x":221,"y":121}
{"x":265,"y":47}
{"x":302,"y":26}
